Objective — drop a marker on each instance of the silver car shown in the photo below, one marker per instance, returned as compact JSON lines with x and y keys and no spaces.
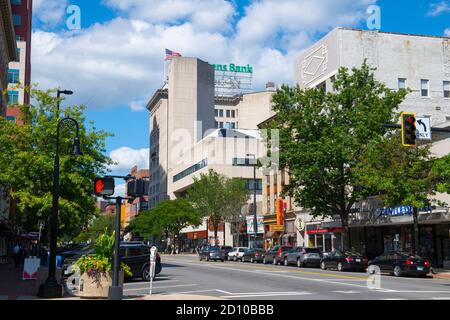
{"x":302,"y":257}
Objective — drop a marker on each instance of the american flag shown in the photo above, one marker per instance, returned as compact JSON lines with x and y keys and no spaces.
{"x":170,"y":54}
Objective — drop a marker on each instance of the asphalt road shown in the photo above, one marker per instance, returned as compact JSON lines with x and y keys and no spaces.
{"x":241,"y":281}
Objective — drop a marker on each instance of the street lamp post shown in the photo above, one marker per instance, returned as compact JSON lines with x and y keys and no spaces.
{"x":58,"y":95}
{"x":255,"y":223}
{"x":51,"y":288}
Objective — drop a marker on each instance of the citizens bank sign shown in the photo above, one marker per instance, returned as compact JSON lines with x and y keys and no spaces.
{"x":233,"y":68}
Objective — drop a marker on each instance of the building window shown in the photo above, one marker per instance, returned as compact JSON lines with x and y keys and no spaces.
{"x":220,"y":124}
{"x":216,"y":124}
{"x":16,"y":2}
{"x":18,"y":54}
{"x":446,"y":89}
{"x":233,"y":125}
{"x":190,"y":170}
{"x":17,"y":20}
{"x":216,"y":112}
{"x":220,"y":113}
{"x":13,"y":75}
{"x":13,"y":97}
{"x":233,"y":114}
{"x":228,"y":113}
{"x":401,"y":83}
{"x":424,"y":87}
{"x":19,"y":38}
{"x":268,"y":181}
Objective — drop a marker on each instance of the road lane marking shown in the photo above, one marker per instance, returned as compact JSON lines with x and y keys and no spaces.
{"x":266,"y":294}
{"x":441,"y":298}
{"x":209,"y":290}
{"x":349,"y":291}
{"x":164,"y":287}
{"x":148,"y":283}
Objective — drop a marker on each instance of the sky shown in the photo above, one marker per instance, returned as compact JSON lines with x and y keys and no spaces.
{"x":114,"y":61}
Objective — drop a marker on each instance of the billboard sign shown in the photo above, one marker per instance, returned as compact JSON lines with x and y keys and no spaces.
{"x":250,"y":224}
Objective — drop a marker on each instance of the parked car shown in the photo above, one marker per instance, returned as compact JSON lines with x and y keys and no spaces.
{"x":275,"y":253}
{"x":302,"y":257}
{"x":226,"y":250}
{"x":254,"y":255}
{"x":237,"y":253}
{"x":400,"y":263}
{"x":212,"y":253}
{"x":349,"y":260}
{"x":76,"y":251}
{"x":134,"y":254}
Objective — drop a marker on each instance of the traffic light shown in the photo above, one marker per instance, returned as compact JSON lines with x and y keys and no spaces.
{"x":137,"y":188}
{"x":104,"y":186}
{"x":408,"y":129}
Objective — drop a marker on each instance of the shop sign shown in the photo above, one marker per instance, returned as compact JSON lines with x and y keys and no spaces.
{"x":233,"y":68}
{"x":276,"y":227}
{"x":299,"y":224}
{"x":399,"y":211}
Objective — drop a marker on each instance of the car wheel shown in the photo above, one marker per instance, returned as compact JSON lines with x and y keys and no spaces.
{"x":234,"y":259}
{"x":207,"y":258}
{"x":285,"y":262}
{"x":323,"y":266}
{"x":274,"y":261}
{"x":299,"y":264}
{"x":146,"y":274}
{"x":397,"y":271}
{"x":339,"y":266}
{"x":223,"y":260}
{"x":200,"y":258}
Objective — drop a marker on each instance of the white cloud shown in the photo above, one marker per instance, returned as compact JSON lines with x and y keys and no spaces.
{"x":447,"y":32}
{"x":126,"y":158}
{"x":119,"y":190}
{"x":210,"y":15}
{"x":121,"y":62}
{"x":49,"y":12}
{"x":437,"y":9}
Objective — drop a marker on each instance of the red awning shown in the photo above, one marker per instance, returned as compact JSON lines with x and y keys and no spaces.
{"x":325,"y":230}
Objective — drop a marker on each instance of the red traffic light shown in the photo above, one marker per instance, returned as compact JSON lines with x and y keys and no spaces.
{"x":104,"y":186}
{"x":411,"y":120}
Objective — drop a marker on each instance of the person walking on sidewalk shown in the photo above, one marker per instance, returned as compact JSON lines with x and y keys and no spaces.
{"x":17,"y":255}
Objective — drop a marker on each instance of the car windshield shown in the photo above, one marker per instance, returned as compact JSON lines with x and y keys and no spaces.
{"x":286,"y":248}
{"x":406,"y":255}
{"x":242,"y":249}
{"x":352,"y":253}
{"x":214,"y":249}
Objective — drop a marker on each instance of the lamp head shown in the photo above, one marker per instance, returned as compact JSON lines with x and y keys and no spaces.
{"x":76,"y":147}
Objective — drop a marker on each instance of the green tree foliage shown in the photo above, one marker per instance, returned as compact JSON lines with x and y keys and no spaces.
{"x":217,"y":197}
{"x":26,"y":164}
{"x":441,"y":170}
{"x":168,"y":217}
{"x":397,"y":174}
{"x":323,"y":135}
{"x":103,"y":224}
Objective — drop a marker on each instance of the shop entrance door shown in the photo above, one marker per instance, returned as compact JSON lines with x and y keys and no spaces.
{"x":319,"y":241}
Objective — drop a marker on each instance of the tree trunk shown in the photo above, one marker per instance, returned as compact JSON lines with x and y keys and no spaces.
{"x":415,"y":244}
{"x":216,"y":227}
{"x":345,"y":231}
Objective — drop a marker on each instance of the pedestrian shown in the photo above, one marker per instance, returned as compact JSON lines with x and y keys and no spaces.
{"x":16,"y":252}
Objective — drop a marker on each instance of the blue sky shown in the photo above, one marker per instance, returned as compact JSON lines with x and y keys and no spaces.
{"x":115,"y":62}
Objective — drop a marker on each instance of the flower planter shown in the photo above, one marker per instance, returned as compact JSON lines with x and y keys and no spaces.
{"x":97,"y":286}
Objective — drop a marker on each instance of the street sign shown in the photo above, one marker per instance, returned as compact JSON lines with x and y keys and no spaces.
{"x":423,"y":127}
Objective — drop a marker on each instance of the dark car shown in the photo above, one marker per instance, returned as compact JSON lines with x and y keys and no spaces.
{"x":226,"y":250}
{"x":212,"y":253}
{"x":76,"y":251}
{"x":302,"y":257}
{"x":254,"y":255}
{"x":137,"y":256}
{"x":400,"y":263}
{"x":348,"y":260}
{"x":275,"y":253}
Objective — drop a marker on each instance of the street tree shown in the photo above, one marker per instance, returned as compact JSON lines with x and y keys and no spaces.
{"x":399,"y":175}
{"x":217,"y":197}
{"x":237,"y":194}
{"x":323,"y":135}
{"x":27,"y":155}
{"x":169,"y":217}
{"x":103,"y":224}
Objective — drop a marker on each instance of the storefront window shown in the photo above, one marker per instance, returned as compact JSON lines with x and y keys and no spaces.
{"x":426,"y":246}
{"x":357,"y":240}
{"x":328,"y":242}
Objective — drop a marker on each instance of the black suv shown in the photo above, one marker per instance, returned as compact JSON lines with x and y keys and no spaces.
{"x":137,"y":256}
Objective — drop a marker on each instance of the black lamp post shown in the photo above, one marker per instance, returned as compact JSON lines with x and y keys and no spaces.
{"x":58,"y":94}
{"x":51,"y":288}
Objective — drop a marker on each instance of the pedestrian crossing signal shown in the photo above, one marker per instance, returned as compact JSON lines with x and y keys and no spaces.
{"x":408,"y":129}
{"x":104,"y":186}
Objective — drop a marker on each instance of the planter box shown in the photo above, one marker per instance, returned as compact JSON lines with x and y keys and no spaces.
{"x":97,"y":287}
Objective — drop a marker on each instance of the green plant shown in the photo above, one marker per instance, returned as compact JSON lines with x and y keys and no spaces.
{"x":100,"y":262}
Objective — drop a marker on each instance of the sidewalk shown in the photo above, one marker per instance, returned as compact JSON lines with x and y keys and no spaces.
{"x":12,"y":286}
{"x":442,"y":274}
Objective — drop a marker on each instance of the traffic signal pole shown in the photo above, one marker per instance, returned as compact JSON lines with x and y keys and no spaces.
{"x":116,"y":291}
